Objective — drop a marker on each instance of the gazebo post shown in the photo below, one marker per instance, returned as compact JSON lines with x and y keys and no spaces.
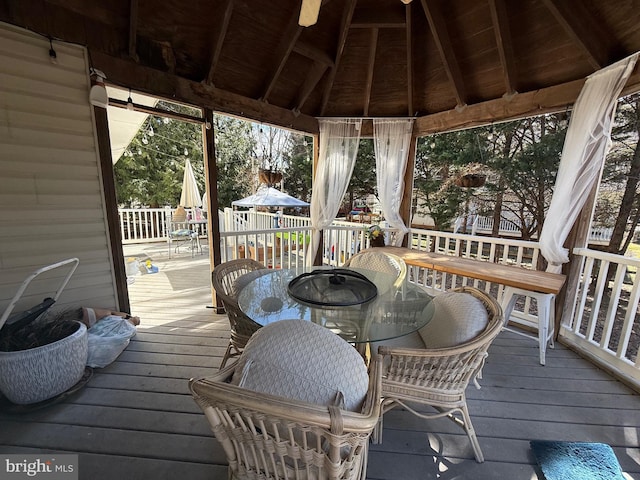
{"x":211,"y":179}
{"x":407,"y":196}
{"x":317,"y":259}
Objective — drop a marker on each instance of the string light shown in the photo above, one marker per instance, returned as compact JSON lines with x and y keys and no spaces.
{"x":129,"y":102}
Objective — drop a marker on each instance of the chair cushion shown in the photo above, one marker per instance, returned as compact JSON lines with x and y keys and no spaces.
{"x":300,"y":360}
{"x":413,"y":340}
{"x":458,"y":318}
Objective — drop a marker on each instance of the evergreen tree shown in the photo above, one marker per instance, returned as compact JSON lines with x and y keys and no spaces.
{"x":150,"y":171}
{"x":235,"y":145}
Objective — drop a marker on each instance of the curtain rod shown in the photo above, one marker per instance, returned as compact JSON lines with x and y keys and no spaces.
{"x":366,"y":118}
{"x":114,"y":102}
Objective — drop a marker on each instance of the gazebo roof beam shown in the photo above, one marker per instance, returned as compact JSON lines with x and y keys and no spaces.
{"x":313,"y":77}
{"x":128,"y":74}
{"x":409,"y":61}
{"x":133,"y":29}
{"x":223,"y":26}
{"x":347,"y":16}
{"x":445,"y":48}
{"x":500,"y":21}
{"x":287,"y":42}
{"x":313,"y":53}
{"x":373,"y":47}
{"x":583,"y":31}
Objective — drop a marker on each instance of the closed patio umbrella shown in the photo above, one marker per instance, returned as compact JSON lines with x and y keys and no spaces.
{"x":190,"y":194}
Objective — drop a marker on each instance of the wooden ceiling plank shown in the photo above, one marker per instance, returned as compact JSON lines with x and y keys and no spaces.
{"x":582,"y":30}
{"x":313,"y":78}
{"x":128,"y":74}
{"x":133,"y":29}
{"x":347,"y":16}
{"x":505,"y":46}
{"x":391,"y":16}
{"x":219,"y":40}
{"x":287,"y":42}
{"x":445,"y":48}
{"x":313,"y":53}
{"x":409,"y":36}
{"x":373,"y":47}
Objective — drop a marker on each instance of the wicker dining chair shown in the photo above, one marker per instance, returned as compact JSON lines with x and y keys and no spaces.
{"x":438,"y":377}
{"x":306,"y":429}
{"x":228,"y":279}
{"x":381,"y":262}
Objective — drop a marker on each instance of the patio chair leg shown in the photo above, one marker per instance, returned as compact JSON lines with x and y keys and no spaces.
{"x":468,"y":426}
{"x":376,"y":436}
{"x":226,"y":356}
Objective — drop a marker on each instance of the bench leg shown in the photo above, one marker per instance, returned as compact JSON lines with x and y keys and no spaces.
{"x":546,"y":316}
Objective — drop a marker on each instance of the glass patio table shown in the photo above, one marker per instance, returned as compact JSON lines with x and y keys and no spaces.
{"x":396,"y":310}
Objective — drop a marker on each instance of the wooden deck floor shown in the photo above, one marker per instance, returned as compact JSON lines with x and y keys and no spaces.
{"x":136,"y":419}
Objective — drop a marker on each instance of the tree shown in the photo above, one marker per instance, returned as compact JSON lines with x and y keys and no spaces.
{"x":440,"y":159}
{"x":235,"y":145}
{"x":298,"y":174}
{"x":151,"y":169}
{"x":529,"y":174}
{"x":363,"y":179}
{"x":621,"y":176}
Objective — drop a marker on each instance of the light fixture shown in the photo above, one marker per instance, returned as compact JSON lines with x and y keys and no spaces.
{"x":309,"y":11}
{"x":98,"y":94}
{"x":151,"y":132}
{"x":129,"y":101}
{"x":53,"y":56}
{"x":406,"y":2}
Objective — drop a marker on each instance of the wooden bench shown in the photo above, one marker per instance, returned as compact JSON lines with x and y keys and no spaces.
{"x":543,"y":286}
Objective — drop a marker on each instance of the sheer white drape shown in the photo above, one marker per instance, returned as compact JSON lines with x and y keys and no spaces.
{"x":585,"y":147}
{"x":391,"y":140}
{"x":337,"y":155}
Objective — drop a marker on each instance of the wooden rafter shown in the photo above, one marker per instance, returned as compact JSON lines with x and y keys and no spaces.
{"x":133,"y":29}
{"x":409,"y":35}
{"x":581,"y":28}
{"x":313,"y":77}
{"x":287,"y":42}
{"x":373,"y":47}
{"x":313,"y":53}
{"x":344,"y":31}
{"x":445,"y":48}
{"x":219,"y":40}
{"x":129,"y":74}
{"x":503,"y":40}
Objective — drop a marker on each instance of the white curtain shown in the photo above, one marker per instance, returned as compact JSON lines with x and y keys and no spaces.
{"x":585,"y":147}
{"x":337,"y":155}
{"x":391,"y":140}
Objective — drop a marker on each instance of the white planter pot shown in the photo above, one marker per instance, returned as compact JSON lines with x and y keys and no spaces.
{"x":31,"y":376}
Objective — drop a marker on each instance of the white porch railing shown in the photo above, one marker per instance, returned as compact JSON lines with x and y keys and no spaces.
{"x":604,"y":322}
{"x":610,"y":337}
{"x":481,"y":224}
{"x":146,"y":225}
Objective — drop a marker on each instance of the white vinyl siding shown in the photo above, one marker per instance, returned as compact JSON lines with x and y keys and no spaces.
{"x":51,"y":195}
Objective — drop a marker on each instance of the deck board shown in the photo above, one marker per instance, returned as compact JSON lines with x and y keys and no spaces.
{"x":136,"y":419}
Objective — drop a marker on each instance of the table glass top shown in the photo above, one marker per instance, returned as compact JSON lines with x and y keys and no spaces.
{"x":395,"y":311}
